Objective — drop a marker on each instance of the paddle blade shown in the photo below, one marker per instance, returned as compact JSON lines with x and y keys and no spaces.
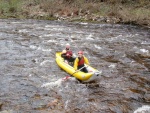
{"x":66,"y":78}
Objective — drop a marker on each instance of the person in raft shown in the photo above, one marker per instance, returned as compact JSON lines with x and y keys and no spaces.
{"x":67,"y":54}
{"x":80,"y":62}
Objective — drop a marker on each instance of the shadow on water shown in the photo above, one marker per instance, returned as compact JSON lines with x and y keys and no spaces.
{"x":31,"y":81}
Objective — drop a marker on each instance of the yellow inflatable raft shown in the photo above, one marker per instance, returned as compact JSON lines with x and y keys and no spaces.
{"x":85,"y":77}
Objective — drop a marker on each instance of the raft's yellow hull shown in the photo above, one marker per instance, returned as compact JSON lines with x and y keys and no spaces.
{"x":86,"y":77}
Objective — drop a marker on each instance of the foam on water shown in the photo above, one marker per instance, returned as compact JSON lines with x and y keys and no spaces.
{"x":145,"y":43}
{"x":46,"y":35}
{"x":90,"y":37}
{"x":33,"y":47}
{"x":112,"y":66}
{"x":82,"y":23}
{"x":98,"y":47}
{"x":51,"y":41}
{"x":58,"y":83}
{"x":23,"y":31}
{"x":54,"y":29}
{"x":53,"y":84}
{"x":144,"y":50}
{"x":143,"y":109}
{"x":45,"y":61}
{"x":45,"y":50}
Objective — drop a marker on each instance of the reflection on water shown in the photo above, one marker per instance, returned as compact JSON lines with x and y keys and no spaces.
{"x":31,"y":82}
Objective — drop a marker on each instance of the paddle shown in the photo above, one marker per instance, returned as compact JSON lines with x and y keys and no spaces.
{"x":78,"y":70}
{"x":67,"y":77}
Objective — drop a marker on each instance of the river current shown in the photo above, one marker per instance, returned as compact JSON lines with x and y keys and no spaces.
{"x":31,"y":81}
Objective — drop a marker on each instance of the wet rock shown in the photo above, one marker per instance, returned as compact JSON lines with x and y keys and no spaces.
{"x":39,"y":104}
{"x":140,"y":58}
{"x":147,"y":97}
{"x":53,"y":103}
{"x":111,"y":58}
{"x":101,"y":19}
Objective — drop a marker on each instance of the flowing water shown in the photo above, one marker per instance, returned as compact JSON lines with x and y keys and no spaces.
{"x":31,"y":81}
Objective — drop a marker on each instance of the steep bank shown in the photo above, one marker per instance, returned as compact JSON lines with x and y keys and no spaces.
{"x":106,"y":11}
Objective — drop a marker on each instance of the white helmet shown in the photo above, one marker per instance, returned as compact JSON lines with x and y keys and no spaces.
{"x":67,"y":45}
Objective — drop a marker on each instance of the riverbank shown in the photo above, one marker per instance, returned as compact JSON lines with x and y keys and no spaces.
{"x":99,"y":11}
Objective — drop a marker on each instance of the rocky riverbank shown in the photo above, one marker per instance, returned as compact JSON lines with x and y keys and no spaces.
{"x":135,"y":12}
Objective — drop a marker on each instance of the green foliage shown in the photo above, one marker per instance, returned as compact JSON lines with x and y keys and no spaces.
{"x":36,"y":2}
{"x":10,"y":6}
{"x":78,"y":3}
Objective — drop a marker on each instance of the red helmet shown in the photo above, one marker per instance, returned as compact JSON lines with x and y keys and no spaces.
{"x":80,"y":52}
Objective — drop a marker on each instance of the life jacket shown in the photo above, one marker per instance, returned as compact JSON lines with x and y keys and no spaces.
{"x":70,"y":54}
{"x":81,"y":61}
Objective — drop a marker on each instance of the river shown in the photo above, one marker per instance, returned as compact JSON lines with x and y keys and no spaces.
{"x":31,"y":81}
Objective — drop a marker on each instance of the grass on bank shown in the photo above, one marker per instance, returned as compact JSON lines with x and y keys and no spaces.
{"x":10,"y":8}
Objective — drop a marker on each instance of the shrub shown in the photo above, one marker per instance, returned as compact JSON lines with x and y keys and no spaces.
{"x":10,"y":6}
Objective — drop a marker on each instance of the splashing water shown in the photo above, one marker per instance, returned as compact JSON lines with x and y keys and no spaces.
{"x":143,"y":109}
